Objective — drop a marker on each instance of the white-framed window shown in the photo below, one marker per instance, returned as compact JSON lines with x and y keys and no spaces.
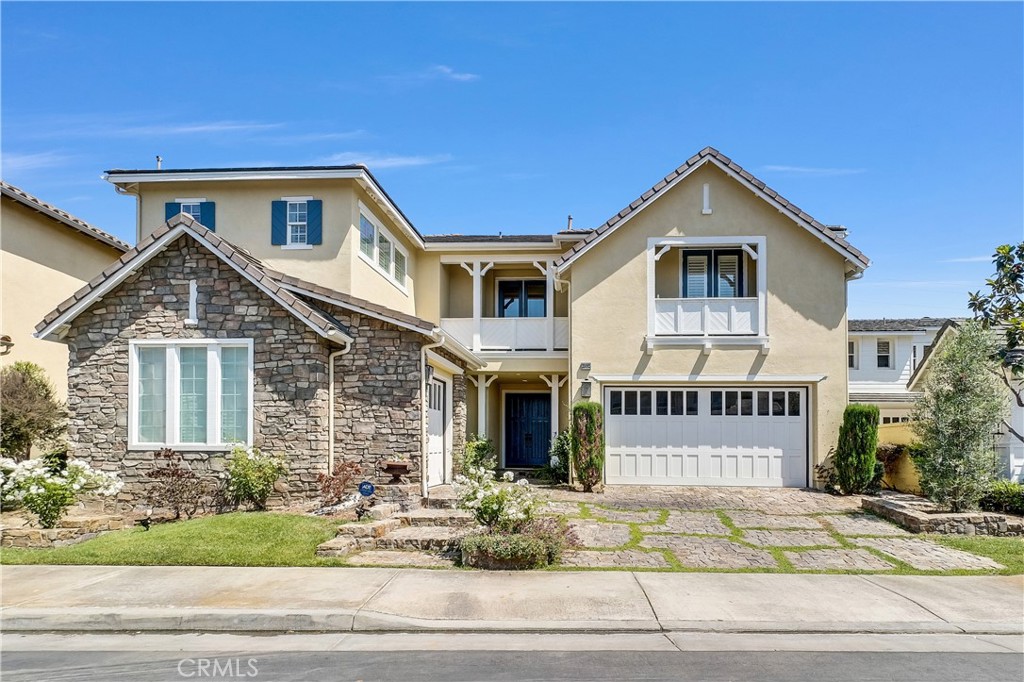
{"x":381,"y":250}
{"x":883,"y":350}
{"x":298,"y":227}
{"x":191,"y":207}
{"x":190,"y":394}
{"x":851,"y":354}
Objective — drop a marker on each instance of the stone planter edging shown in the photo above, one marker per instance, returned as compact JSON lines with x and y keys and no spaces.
{"x":907,"y":511}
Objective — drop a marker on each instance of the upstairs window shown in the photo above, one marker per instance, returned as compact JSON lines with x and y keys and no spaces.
{"x":884,"y":353}
{"x":522,"y":298}
{"x":296,"y":222}
{"x":381,"y":250}
{"x":716,"y":273}
{"x":851,"y":353}
{"x":199,"y":209}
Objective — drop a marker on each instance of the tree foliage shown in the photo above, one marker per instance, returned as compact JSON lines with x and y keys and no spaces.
{"x":956,"y":418}
{"x":855,"y":453}
{"x":587,"y":440}
{"x":29,"y":410}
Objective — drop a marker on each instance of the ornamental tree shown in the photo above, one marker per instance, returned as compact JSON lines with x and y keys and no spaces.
{"x":31,"y":413}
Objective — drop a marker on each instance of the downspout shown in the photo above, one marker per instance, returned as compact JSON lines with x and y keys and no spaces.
{"x":568,"y":297}
{"x":330,"y":406}
{"x":423,"y":406}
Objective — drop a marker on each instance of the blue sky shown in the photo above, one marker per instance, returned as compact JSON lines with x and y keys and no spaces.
{"x":903,"y":122}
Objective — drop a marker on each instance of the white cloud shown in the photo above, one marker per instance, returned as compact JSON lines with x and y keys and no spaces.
{"x":437,"y":72}
{"x":808,"y":170}
{"x":374,"y":160}
{"x":448,"y":73}
{"x":14,"y":162}
{"x":968,"y":259}
{"x":192,"y":128}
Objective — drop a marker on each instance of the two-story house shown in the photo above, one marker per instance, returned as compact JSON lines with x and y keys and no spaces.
{"x":882,"y":355}
{"x":298,"y":309}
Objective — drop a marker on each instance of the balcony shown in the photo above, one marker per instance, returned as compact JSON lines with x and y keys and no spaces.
{"x":510,"y":333}
{"x":706,"y":316}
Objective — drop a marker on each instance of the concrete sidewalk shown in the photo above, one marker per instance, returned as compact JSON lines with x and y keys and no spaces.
{"x":211,"y":599}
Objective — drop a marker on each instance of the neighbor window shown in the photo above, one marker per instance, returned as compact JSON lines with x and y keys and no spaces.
{"x":194,"y":393}
{"x":851,"y":354}
{"x":297,"y":223}
{"x":884,"y":353}
{"x":378,"y":248}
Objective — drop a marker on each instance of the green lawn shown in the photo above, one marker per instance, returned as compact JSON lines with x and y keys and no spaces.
{"x":1007,"y":551}
{"x":238,"y":539}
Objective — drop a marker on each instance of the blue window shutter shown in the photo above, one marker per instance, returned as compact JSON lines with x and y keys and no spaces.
{"x":314,"y":221}
{"x":279,"y":223}
{"x":171,"y":209}
{"x":207,"y":215}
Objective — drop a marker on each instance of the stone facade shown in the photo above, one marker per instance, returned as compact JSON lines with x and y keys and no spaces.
{"x":377,"y":382}
{"x":919,"y":516}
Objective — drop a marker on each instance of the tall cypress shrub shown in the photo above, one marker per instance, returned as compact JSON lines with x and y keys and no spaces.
{"x":587,"y":437}
{"x":855,"y":454}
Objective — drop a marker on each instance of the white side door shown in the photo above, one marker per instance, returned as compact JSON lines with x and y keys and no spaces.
{"x":437,"y":421}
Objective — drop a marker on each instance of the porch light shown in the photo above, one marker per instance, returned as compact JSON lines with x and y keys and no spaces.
{"x":585,"y":389}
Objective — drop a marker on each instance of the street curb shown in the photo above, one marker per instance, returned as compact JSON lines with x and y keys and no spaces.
{"x":98,"y":620}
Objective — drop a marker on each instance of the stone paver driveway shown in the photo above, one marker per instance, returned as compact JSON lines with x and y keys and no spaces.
{"x":742,"y":528}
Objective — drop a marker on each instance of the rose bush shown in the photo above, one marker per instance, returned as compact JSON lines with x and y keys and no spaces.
{"x":494,"y":505}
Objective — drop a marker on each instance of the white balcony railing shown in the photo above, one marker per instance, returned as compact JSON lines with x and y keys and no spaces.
{"x":705,"y":316}
{"x":509,"y":333}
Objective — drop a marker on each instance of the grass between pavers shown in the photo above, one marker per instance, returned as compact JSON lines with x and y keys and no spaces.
{"x":236,"y":539}
{"x":1007,"y":551}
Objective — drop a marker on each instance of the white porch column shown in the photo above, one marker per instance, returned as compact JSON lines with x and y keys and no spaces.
{"x":547,"y":269}
{"x":482,"y":382}
{"x":477,"y":270}
{"x":554,"y":384}
{"x":762,"y":291}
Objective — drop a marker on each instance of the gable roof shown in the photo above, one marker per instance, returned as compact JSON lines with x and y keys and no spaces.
{"x":182,"y":224}
{"x":946,"y":331}
{"x":918,"y":324}
{"x":61,"y":216}
{"x":830,"y":236}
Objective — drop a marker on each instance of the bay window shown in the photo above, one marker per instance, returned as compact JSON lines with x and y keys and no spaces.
{"x":190,"y":393}
{"x":381,"y":250}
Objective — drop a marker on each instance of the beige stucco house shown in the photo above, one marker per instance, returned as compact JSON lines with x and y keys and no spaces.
{"x":46,"y":254}
{"x":708,"y":317}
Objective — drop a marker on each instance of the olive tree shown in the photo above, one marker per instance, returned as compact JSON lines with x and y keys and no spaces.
{"x":30,"y":413}
{"x":963,"y":403}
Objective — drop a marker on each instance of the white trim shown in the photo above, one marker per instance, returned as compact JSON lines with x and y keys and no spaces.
{"x":173,"y":386}
{"x":501,"y":420}
{"x":526,"y":259}
{"x":523,"y":355}
{"x":190,"y":200}
{"x":296,"y":247}
{"x":143,"y":258}
{"x":443,"y":364}
{"x":706,"y":210}
{"x":298,"y":200}
{"x":858,"y":265}
{"x":709,"y":342}
{"x":710,"y":378}
{"x":361,"y":175}
{"x":193,"y":304}
{"x":491,"y":246}
{"x":373,"y":261}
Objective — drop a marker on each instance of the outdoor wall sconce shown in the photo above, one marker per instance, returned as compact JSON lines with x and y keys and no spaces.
{"x":584,"y":366}
{"x":585,"y":389}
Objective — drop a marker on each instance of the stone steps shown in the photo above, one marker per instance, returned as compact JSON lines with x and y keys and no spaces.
{"x":372,"y":529}
{"x":428,"y":538}
{"x":439,"y":502}
{"x":436,"y":517}
{"x":343,"y":545}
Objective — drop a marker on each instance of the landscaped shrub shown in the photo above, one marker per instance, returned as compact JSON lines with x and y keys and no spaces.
{"x":504,"y":551}
{"x":31,"y":412}
{"x":502,"y":507}
{"x":336,"y":485}
{"x":479,"y":454}
{"x":963,"y":403}
{"x":855,"y":458}
{"x":554,"y":533}
{"x":1004,"y":496}
{"x":176,"y":487}
{"x":48,"y":493}
{"x":587,"y":441}
{"x":557,"y":469}
{"x":251,"y":476}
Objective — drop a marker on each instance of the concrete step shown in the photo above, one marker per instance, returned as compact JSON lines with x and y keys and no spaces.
{"x":343,"y":545}
{"x":372,"y":529}
{"x":436,"y":517}
{"x":436,"y":538}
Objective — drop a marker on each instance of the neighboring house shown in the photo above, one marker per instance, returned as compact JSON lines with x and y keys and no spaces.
{"x":881,"y":357}
{"x":46,"y":254}
{"x":708,"y":317}
{"x":1009,"y":439}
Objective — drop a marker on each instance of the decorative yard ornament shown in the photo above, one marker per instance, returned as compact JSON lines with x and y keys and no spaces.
{"x":366,"y":488}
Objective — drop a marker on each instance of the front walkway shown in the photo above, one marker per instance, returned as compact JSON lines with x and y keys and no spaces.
{"x":780,"y":529}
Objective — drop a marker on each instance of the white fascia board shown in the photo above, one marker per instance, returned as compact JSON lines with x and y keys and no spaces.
{"x":779,"y":379}
{"x":443,"y":363}
{"x":491,"y":246}
{"x":526,"y":257}
{"x":857,"y":265}
{"x":886,"y":333}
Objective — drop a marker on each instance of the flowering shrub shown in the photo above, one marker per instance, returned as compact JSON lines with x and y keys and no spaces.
{"x":495,"y":505}
{"x":251,"y":475}
{"x":48,"y":492}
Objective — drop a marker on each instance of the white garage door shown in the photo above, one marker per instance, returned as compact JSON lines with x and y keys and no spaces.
{"x":706,"y":436}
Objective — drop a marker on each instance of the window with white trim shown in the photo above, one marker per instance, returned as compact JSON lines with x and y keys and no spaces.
{"x":298,"y":225}
{"x":851,"y":354}
{"x":883,"y":350}
{"x":191,"y":208}
{"x":190,"y":393}
{"x":381,"y":250}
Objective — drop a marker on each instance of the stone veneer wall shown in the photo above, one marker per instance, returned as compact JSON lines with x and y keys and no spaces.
{"x":919,"y":516}
{"x":290,"y":367}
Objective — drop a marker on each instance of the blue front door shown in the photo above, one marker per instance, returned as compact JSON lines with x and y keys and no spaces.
{"x":527,"y":429}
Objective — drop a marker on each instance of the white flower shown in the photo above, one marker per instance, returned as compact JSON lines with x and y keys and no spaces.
{"x":508,"y":476}
{"x":554,"y":461}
